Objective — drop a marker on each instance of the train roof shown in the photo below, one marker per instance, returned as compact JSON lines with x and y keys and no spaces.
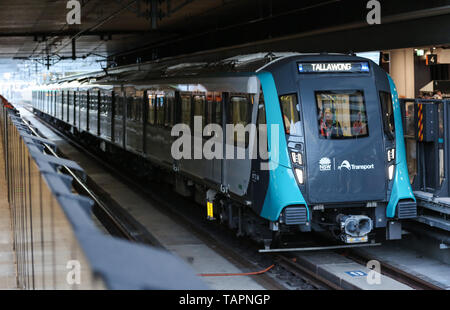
{"x":247,"y":64}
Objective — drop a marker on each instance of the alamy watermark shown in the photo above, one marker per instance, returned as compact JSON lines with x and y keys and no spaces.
{"x":374,"y":15}
{"x":74,"y":15}
{"x":241,"y":142}
{"x":73,"y":276}
{"x":374,"y":275}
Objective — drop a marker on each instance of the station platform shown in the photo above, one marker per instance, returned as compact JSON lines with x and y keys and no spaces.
{"x":7,"y":256}
{"x":57,"y":244}
{"x":439,"y":205}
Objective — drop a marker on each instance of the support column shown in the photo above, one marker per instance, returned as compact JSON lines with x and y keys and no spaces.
{"x":402,"y":71}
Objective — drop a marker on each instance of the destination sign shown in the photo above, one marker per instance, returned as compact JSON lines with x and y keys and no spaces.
{"x":331,"y":67}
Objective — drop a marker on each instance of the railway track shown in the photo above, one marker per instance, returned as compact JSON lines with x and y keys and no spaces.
{"x":109,"y":213}
{"x":395,"y":273}
{"x":119,"y":223}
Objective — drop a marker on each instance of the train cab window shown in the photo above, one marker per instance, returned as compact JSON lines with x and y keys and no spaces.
{"x":291,"y":115}
{"x":388,"y":114}
{"x":341,"y":114}
{"x":151,"y":108}
{"x":186,"y":108}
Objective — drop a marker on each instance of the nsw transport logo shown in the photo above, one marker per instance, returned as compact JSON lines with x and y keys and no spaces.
{"x":324,"y":164}
{"x":345,"y":164}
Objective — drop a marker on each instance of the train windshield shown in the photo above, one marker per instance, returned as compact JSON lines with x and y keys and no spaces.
{"x":341,"y":114}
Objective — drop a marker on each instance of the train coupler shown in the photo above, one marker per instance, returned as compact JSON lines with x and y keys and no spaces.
{"x":354,"y":228}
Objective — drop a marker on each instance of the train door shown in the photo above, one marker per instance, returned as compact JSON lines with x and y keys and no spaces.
{"x":214,"y":111}
{"x":70,"y":107}
{"x":76,"y":112}
{"x":93,"y":111}
{"x":160,"y":118}
{"x":83,"y":111}
{"x":237,"y":163}
{"x":119,"y":117}
{"x":63,"y":103}
{"x":134,"y":119}
{"x":105,"y":114}
{"x":346,"y":157}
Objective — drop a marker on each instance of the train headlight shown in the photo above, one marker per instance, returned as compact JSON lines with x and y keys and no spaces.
{"x":391,"y":172}
{"x":299,"y":175}
{"x":297,"y":158}
{"x":391,"y":154}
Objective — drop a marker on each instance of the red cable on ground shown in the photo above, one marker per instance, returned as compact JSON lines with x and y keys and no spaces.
{"x":235,"y":274}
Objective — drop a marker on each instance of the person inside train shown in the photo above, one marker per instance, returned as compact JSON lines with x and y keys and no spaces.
{"x":330,"y":128}
{"x":359,"y":127}
{"x":292,"y":128}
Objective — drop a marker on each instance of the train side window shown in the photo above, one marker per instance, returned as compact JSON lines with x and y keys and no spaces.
{"x":129,"y":107}
{"x":118,"y":105}
{"x":262,"y":129}
{"x":93,"y":101}
{"x":160,"y":104}
{"x":151,"y":108}
{"x":169,"y":109}
{"x":217,"y":108}
{"x":240,"y":113}
{"x":70,"y":96}
{"x":261,"y":111}
{"x":105,"y":102}
{"x":214,"y":108}
{"x":388,"y":114}
{"x":199,"y":108}
{"x":291,"y":114}
{"x":209,"y":108}
{"x":138,"y":105}
{"x":186,"y":107}
{"x":83,"y":100}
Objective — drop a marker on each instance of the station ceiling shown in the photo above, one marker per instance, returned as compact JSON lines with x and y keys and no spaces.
{"x":126,"y":31}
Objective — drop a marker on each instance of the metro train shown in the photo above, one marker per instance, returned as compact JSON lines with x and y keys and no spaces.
{"x":322,"y":148}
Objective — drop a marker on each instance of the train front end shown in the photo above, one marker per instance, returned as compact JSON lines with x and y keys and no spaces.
{"x":341,"y":148}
